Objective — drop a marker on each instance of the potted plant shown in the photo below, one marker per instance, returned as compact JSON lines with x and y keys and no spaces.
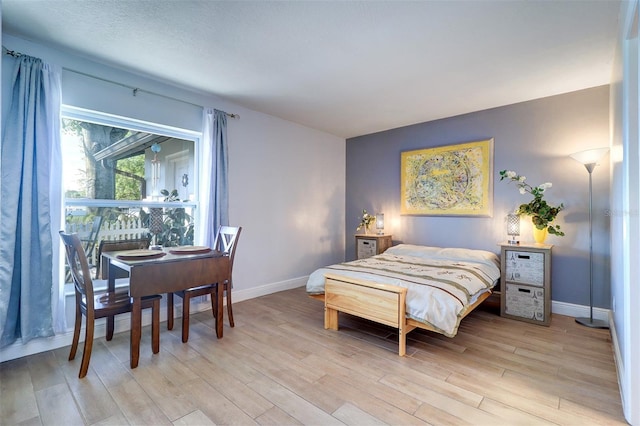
{"x":176,"y":228}
{"x":366,"y":221}
{"x":542,"y":213}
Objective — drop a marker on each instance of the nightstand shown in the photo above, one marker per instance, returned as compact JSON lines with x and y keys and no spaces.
{"x":370,"y":245}
{"x":525,"y":276}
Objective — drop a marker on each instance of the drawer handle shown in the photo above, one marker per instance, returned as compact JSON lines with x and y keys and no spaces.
{"x":524,"y":290}
{"x":522,"y":256}
{"x":366,"y":243}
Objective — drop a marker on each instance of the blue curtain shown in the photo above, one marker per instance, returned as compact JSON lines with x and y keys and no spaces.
{"x":31,"y":203}
{"x":214,"y":191}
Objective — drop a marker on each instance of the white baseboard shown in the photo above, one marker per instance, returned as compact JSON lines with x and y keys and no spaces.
{"x":123,"y":322}
{"x":578,"y":311}
{"x":617,"y":356}
{"x":252,"y":293}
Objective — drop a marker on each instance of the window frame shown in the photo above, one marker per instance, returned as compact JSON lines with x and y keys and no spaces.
{"x":106,"y":119}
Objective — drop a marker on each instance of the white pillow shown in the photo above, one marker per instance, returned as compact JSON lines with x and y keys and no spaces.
{"x":455,"y":254}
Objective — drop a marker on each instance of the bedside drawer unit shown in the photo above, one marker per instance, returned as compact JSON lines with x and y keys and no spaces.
{"x":525,"y":278}
{"x":525,"y":267}
{"x":526,"y":302}
{"x":366,"y":248}
{"x":370,"y":245}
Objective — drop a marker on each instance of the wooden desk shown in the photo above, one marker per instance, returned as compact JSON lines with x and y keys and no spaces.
{"x":169,"y":273}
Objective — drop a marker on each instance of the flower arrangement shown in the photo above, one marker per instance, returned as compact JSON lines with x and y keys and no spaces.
{"x":366,"y":221}
{"x":542,"y":214}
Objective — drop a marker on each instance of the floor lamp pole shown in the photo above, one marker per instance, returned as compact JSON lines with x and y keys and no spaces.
{"x":590,"y":322}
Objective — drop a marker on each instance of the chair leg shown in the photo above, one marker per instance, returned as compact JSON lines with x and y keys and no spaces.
{"x":169,"y":311}
{"x":229,"y":309}
{"x":186,"y":301}
{"x":155,"y":326}
{"x":88,"y":345}
{"x":76,"y":334}
{"x":110,"y":327}
{"x":213,"y":296}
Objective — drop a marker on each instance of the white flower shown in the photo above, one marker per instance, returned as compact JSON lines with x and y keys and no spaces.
{"x":522,"y":190}
{"x":511,"y":174}
{"x":522,"y":178}
{"x":545,"y":186}
{"x":366,"y":220}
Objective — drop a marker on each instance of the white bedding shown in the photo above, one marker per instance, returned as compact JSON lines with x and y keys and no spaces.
{"x":441,"y":282}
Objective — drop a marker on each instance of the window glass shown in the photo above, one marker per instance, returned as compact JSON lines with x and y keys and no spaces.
{"x":127,"y":180}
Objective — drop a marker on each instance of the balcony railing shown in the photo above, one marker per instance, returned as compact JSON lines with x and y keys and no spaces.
{"x":168,"y":223}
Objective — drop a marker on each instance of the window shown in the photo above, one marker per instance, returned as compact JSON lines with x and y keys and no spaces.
{"x":128,"y":179}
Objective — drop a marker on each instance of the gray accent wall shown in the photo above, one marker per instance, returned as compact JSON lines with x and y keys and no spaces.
{"x":532,"y":138}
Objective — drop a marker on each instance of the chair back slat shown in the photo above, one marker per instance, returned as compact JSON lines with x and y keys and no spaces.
{"x":227,"y":240}
{"x":79,"y":266}
{"x":90,"y":243}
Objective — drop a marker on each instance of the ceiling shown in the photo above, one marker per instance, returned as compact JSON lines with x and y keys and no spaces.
{"x":348,"y":68}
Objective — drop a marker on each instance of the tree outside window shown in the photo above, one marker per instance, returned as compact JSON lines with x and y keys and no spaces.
{"x":105,"y":162}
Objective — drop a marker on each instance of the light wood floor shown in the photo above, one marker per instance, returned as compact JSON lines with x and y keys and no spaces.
{"x":279,"y":366}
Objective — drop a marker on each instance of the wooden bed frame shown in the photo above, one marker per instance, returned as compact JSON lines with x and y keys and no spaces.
{"x":382,"y":303}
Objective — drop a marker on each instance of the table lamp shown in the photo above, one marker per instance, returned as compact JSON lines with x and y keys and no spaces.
{"x":513,"y":228}
{"x":380,"y":223}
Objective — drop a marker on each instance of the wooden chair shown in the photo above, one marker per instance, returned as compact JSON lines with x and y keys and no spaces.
{"x":117,"y":245}
{"x":226,"y":241}
{"x":99,"y":305}
{"x":101,"y":273}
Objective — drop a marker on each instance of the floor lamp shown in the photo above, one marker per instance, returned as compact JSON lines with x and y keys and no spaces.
{"x":590,"y":160}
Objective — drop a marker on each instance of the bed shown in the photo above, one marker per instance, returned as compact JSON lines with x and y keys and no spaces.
{"x":407,"y":287}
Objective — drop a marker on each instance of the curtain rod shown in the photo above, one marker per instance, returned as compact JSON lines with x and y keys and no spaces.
{"x":11,"y":52}
{"x":134,"y":90}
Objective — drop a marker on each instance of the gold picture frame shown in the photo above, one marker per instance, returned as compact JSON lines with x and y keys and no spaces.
{"x":452,"y":180}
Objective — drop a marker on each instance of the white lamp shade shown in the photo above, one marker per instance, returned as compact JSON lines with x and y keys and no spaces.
{"x":590,"y":156}
{"x":380,"y":221}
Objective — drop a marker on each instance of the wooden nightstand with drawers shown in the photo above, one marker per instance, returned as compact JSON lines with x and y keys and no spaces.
{"x":370,"y":245}
{"x":525,"y":276}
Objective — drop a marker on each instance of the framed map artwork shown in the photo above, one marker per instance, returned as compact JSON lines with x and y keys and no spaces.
{"x":453,"y":180}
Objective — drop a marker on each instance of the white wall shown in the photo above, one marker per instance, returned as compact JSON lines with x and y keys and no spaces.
{"x":625,"y":218}
{"x":287,"y":191}
{"x":287,"y":182}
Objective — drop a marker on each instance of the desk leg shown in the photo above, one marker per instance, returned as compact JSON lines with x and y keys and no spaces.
{"x":108,"y":271}
{"x":111,"y":274}
{"x":155,"y":326}
{"x":110,"y":327}
{"x":220,"y":310}
{"x":136,"y":331}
